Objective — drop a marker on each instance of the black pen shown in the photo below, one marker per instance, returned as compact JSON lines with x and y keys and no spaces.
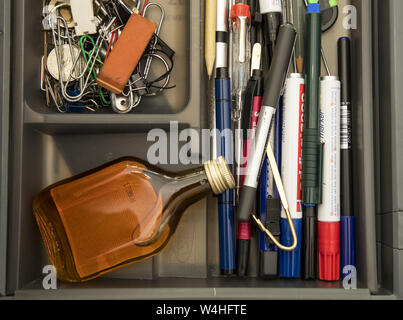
{"x":273,"y":86}
{"x":347,"y":225}
{"x":253,"y":103}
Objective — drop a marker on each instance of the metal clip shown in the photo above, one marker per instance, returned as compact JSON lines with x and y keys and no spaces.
{"x":284,"y":202}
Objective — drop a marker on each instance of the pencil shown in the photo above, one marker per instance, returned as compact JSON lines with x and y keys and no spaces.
{"x":210,"y":35}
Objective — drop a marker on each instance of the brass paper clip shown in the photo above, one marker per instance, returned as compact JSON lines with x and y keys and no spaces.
{"x":284,"y":202}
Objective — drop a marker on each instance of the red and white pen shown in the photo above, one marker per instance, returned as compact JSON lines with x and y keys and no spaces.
{"x":329,"y":210}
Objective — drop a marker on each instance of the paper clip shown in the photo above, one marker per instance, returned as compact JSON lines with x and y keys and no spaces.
{"x":284,"y":202}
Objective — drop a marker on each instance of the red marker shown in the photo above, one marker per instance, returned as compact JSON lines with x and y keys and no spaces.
{"x":329,"y":210}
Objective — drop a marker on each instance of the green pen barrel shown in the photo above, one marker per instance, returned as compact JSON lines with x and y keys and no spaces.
{"x":311,"y":155}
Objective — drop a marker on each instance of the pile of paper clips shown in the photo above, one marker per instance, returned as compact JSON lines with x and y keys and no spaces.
{"x":78,"y":38}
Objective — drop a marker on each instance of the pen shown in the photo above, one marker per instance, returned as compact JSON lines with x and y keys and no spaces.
{"x":291,"y":167}
{"x":240,"y":18}
{"x":253,"y":103}
{"x":224,"y":140}
{"x":210,"y":32}
{"x":271,"y":11}
{"x":272,"y":214}
{"x":312,"y":149}
{"x":347,"y":250}
{"x":329,"y":210}
{"x":271,"y":97}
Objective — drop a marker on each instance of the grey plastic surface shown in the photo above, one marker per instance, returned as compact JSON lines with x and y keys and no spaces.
{"x":47,"y":146}
{"x":392,"y":266}
{"x":390,"y":97}
{"x":185,"y":289}
{"x":392,"y":226}
{"x":390,"y":152}
{"x":5,"y":24}
{"x":363,"y":150}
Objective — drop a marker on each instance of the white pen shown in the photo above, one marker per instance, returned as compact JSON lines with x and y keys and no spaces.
{"x":273,"y":87}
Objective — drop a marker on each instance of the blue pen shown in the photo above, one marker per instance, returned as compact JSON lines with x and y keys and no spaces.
{"x":291,"y":168}
{"x":224,"y":140}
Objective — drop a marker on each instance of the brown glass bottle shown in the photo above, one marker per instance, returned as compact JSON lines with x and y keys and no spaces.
{"x":120,"y":213}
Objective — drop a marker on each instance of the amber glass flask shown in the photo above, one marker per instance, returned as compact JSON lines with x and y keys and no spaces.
{"x":120,"y":213}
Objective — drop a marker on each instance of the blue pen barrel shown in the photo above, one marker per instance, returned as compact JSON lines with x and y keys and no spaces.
{"x":291,"y":167}
{"x":225,"y":200}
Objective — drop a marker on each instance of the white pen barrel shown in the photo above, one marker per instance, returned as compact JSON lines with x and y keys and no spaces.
{"x":259,"y":147}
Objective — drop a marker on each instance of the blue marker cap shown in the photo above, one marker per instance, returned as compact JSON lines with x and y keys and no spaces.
{"x":347,"y":243}
{"x":313,"y":8}
{"x":290,"y":262}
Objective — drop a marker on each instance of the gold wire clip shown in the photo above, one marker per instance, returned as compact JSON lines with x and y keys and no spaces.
{"x":284,"y":202}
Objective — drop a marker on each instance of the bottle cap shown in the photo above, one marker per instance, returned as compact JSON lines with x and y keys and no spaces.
{"x":219,"y":175}
{"x":329,"y":250}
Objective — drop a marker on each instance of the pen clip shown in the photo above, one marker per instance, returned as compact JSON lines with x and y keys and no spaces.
{"x":256,"y":57}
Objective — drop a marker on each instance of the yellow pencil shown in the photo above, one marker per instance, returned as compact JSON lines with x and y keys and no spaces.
{"x":210,"y":35}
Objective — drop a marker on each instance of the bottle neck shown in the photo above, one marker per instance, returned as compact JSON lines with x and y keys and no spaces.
{"x":196,"y":179}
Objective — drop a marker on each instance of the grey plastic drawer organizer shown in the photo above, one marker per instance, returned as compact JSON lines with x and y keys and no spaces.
{"x":46,"y":146}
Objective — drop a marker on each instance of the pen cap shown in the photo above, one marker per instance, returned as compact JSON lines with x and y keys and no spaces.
{"x":270,"y":6}
{"x":240,"y":10}
{"x":309,"y":245}
{"x":279,"y":66}
{"x":290,"y":261}
{"x":347,"y":243}
{"x":329,"y":251}
{"x":269,"y":264}
{"x":313,"y":7}
{"x":344,"y":61}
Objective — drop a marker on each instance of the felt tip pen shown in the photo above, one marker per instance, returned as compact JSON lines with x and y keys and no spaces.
{"x":347,"y":249}
{"x":224,"y":144}
{"x":273,"y":87}
{"x":253,"y":103}
{"x":291,"y":168}
{"x":329,"y":210}
{"x":312,"y":149}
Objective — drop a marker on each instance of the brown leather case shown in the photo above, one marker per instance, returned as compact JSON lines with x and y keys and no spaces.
{"x":125,"y":56}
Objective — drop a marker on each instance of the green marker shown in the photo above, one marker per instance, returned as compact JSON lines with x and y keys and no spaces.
{"x":312,"y":148}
